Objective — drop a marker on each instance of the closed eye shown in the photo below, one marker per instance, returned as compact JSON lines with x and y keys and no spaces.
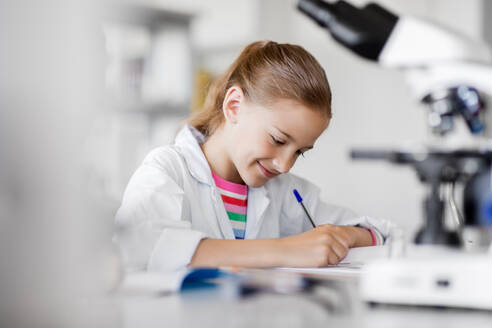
{"x":280,"y":142}
{"x":277,"y":141}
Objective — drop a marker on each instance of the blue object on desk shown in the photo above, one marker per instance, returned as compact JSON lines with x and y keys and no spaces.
{"x":200,"y":278}
{"x":299,"y":200}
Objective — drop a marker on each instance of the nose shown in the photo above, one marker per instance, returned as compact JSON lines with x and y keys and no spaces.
{"x":284,"y":161}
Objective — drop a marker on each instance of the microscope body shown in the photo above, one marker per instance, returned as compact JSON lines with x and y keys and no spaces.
{"x":451,"y":76}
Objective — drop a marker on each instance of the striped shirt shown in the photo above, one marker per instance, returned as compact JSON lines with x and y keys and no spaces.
{"x":235,"y":198}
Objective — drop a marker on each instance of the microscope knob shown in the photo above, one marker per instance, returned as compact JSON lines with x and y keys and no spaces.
{"x":486,"y":211}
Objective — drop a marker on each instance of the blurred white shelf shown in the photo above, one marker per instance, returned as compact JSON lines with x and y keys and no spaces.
{"x":149,"y":15}
{"x":152,"y":108}
{"x":150,"y":59}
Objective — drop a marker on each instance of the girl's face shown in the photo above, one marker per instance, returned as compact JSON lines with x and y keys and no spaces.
{"x":265,"y":141}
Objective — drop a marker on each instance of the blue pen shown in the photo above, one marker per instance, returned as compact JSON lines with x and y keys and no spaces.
{"x":299,"y":200}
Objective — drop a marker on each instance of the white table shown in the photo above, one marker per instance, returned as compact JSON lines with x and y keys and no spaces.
{"x":211,"y":307}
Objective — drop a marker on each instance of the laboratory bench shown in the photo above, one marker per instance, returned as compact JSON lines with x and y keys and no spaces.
{"x":334,"y":302}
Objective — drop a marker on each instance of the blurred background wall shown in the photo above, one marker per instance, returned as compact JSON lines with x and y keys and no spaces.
{"x":55,"y":234}
{"x":372,"y":106}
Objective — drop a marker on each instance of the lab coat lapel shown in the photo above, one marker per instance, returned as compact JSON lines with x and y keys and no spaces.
{"x":220,"y":211}
{"x":258,"y":201}
{"x":189,"y":140}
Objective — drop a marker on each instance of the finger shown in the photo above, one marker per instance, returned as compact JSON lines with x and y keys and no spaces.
{"x":330,"y":240}
{"x":339,"y":249}
{"x":333,"y":258}
{"x":340,"y":235}
{"x":341,"y":238}
{"x":335,"y":251}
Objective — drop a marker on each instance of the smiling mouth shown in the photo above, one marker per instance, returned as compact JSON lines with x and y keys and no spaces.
{"x":267,"y":173}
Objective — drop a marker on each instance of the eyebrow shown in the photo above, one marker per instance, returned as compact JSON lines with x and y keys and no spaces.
{"x":289,"y":137}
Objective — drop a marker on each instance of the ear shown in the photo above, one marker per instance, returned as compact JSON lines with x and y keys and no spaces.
{"x":233,"y":99}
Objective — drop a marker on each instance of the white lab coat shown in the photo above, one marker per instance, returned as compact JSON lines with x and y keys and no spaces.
{"x":171,"y":203}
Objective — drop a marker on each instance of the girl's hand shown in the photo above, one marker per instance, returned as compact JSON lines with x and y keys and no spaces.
{"x":324,"y":245}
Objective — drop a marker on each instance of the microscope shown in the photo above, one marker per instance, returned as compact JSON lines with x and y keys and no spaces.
{"x":451,"y":76}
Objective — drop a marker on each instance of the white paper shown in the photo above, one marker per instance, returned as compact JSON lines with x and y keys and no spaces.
{"x":364,"y":255}
{"x":351,"y":265}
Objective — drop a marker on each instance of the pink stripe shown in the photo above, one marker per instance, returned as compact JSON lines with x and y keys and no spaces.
{"x":374,"y":238}
{"x":230,"y":186}
{"x":235,"y":208}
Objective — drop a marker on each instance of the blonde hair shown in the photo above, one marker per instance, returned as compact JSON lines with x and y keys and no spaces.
{"x":266,"y":71}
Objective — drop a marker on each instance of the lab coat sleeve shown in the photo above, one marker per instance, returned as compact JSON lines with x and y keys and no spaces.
{"x":153,"y":225}
{"x":325,"y":213}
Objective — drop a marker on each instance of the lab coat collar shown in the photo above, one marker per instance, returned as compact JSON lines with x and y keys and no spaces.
{"x":189,"y":140}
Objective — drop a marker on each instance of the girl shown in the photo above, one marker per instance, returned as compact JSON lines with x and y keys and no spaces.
{"x":221,"y":195}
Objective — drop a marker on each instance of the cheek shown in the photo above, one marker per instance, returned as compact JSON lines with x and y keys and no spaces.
{"x":260,"y":150}
{"x":265,"y":149}
{"x":251,"y":150}
{"x":251,"y":144}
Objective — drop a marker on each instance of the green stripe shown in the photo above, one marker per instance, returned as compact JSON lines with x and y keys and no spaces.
{"x":237,"y":216}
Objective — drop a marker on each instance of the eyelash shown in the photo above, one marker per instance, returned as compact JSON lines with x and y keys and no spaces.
{"x":278,"y":142}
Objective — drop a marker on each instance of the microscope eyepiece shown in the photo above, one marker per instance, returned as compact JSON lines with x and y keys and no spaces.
{"x":321,"y":12}
{"x":363,"y":30}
